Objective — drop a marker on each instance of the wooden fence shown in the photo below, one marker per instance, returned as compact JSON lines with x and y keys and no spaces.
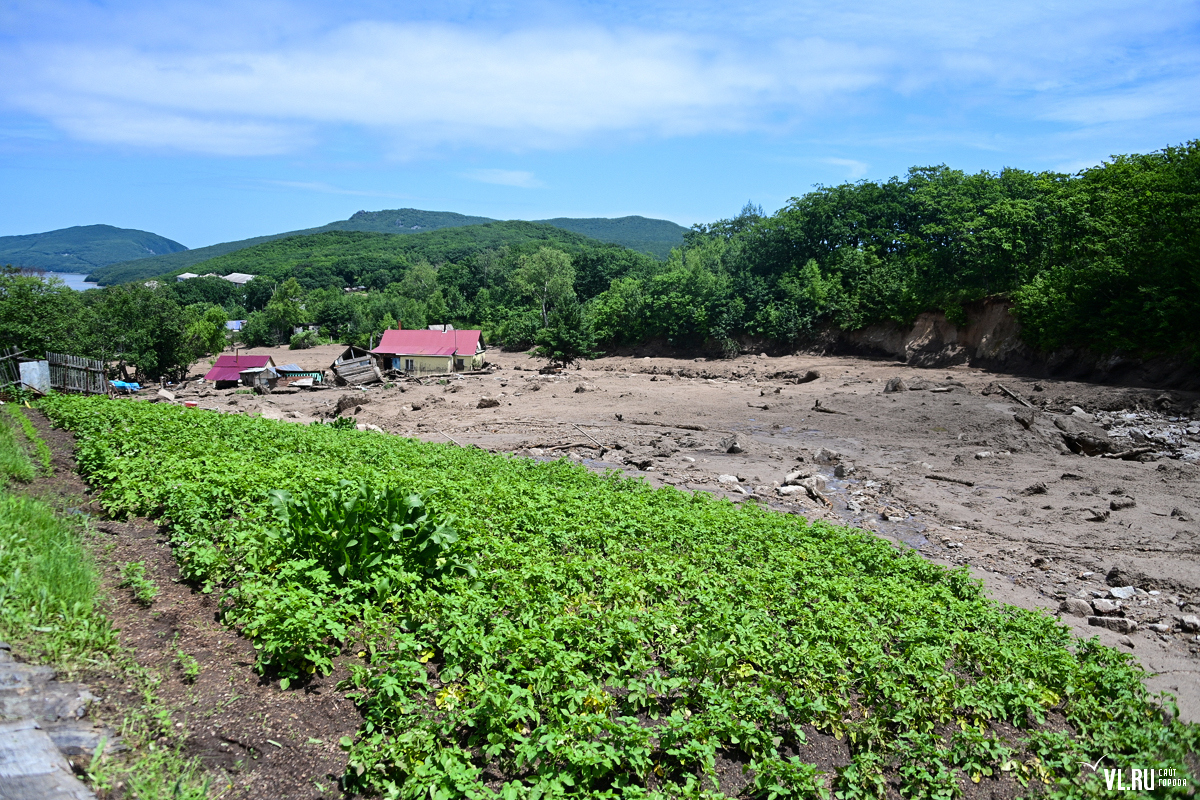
{"x":9,"y":371}
{"x":76,"y":374}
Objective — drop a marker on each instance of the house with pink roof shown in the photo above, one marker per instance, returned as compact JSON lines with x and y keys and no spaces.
{"x":430,"y":352}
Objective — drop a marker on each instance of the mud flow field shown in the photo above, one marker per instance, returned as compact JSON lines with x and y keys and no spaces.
{"x":1076,"y":498}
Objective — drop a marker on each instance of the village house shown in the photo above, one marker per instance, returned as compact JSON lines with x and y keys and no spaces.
{"x":430,"y":352}
{"x":227,"y":372}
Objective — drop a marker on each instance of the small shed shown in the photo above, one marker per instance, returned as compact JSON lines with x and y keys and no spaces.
{"x":259,"y":377}
{"x":356,"y":367}
{"x":429,"y":352}
{"x":227,"y":372}
{"x":238,"y":278}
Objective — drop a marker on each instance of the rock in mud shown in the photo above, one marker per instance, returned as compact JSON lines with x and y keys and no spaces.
{"x":1190,"y":623}
{"x":1037,"y":488}
{"x":730,"y":444}
{"x":1118,"y":624}
{"x":1025,"y":416}
{"x":1104,"y":607}
{"x":825,"y":456}
{"x":727,"y":479}
{"x":348,"y":401}
{"x":1076,"y":607}
{"x":1122,"y":592}
{"x":1092,"y":515}
{"x":487,"y":402}
{"x":895,"y":385}
{"x":1121,"y":503}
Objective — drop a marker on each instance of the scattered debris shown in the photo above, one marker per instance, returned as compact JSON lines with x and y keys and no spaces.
{"x":825,"y":409}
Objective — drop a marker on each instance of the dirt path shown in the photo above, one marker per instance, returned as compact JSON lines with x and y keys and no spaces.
{"x":1041,"y":526}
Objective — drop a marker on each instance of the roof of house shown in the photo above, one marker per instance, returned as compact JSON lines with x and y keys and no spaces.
{"x":229,"y":368}
{"x":428,"y":343}
{"x":238,"y":277}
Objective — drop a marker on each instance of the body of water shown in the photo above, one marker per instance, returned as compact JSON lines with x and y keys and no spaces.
{"x":75,"y":280}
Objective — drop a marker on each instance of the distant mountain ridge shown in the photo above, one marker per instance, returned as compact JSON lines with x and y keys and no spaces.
{"x":655,"y":237}
{"x":83,"y":248}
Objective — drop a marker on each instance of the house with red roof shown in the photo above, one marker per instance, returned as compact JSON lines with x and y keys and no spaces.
{"x":430,"y":352}
{"x":227,"y":372}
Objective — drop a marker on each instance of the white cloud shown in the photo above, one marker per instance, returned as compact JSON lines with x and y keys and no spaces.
{"x":504,"y":177}
{"x":213,"y":77}
{"x":325,"y":188}
{"x":432,"y":84}
{"x":854,"y":169}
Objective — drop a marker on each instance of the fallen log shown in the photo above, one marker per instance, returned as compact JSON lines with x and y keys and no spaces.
{"x":1015,"y":396}
{"x":1129,"y":455}
{"x":948,"y":479}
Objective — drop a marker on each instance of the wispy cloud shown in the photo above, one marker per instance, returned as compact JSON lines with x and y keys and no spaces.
{"x":854,"y":169}
{"x":504,"y":177}
{"x":325,"y":188}
{"x":218,"y":78}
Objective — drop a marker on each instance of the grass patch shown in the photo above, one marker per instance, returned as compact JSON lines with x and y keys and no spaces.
{"x":15,"y":463}
{"x":40,"y":449}
{"x":50,"y":613}
{"x":531,"y":629}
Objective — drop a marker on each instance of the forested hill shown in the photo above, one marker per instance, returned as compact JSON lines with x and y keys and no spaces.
{"x":404,"y":220}
{"x":82,"y":248}
{"x":655,"y":237}
{"x":335,"y":259}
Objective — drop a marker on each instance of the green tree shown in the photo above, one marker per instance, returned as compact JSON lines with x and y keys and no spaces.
{"x":568,"y":337}
{"x":205,"y":331}
{"x":37,"y":315}
{"x":547,"y":278}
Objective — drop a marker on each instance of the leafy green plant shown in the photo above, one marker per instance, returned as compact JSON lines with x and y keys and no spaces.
{"x":188,"y":666}
{"x":133,"y":576}
{"x":354,"y":529}
{"x":343,"y":423}
{"x":614,"y":640}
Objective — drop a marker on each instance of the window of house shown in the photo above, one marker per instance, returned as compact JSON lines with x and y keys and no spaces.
{"x":458,"y":362}
{"x":409,"y":365}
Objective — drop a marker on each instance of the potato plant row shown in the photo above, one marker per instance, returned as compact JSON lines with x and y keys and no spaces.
{"x":583,"y":635}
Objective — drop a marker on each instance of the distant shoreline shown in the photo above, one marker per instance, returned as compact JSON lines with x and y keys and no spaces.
{"x":74,"y":280}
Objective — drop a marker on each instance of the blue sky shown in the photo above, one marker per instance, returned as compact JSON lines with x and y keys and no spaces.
{"x":213,"y":121}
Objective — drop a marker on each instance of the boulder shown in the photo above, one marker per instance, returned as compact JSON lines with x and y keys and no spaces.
{"x":1076,"y":607}
{"x":1118,"y":624}
{"x":487,"y":402}
{"x":824,"y":456}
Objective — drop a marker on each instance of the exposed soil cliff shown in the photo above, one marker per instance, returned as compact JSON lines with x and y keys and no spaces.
{"x":991,"y":339}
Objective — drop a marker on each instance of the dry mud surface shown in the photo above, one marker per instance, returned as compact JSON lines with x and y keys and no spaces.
{"x":1111,"y":545}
